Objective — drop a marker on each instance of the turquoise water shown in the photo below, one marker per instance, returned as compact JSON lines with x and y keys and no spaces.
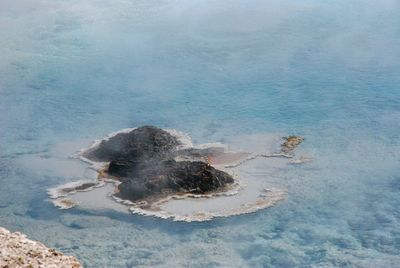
{"x":326,"y":70}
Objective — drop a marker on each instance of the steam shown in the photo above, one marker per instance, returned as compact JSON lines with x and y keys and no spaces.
{"x":150,"y":52}
{"x":134,"y":35}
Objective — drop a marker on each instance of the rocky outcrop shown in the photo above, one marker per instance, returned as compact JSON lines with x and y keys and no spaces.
{"x":157,"y":172}
{"x":18,"y":251}
{"x":171,"y":177}
{"x":291,"y":143}
{"x":140,"y":144}
{"x":145,"y":161}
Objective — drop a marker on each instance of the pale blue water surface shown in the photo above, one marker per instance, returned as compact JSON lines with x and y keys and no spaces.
{"x":326,"y":70}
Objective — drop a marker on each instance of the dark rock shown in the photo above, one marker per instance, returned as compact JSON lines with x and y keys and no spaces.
{"x":143,"y":142}
{"x":174,"y":177}
{"x":144,"y":161}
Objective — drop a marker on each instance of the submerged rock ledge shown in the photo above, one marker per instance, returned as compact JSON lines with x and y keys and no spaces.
{"x":156,"y":172}
{"x":18,"y":251}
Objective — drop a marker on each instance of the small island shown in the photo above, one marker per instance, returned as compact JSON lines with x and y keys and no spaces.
{"x":148,"y":163}
{"x":159,"y":172}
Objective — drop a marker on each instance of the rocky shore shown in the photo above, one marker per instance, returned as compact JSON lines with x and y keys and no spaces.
{"x":16,"y":250}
